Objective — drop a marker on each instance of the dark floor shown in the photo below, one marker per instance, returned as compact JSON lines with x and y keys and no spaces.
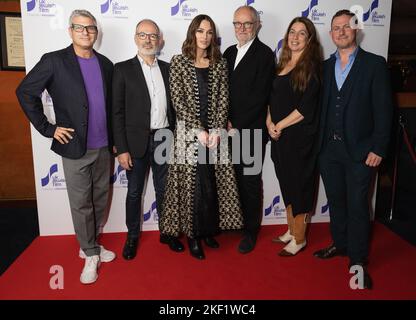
{"x":18,"y":228}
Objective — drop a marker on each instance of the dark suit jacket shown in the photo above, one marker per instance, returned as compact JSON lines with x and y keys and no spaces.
{"x":250,"y":85}
{"x":131,"y":106}
{"x":60,"y":74}
{"x":368,"y":105}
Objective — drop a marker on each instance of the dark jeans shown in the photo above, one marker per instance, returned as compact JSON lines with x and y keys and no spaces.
{"x":136,"y":177}
{"x":347,"y":184}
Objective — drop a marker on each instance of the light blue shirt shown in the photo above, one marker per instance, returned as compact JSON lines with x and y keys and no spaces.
{"x":341,"y":75}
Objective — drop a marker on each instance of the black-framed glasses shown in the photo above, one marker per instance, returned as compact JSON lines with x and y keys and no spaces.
{"x":144,"y":36}
{"x":247,"y":25}
{"x":80,"y":28}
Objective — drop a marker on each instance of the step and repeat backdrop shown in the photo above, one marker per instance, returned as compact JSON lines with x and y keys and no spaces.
{"x":45,"y":28}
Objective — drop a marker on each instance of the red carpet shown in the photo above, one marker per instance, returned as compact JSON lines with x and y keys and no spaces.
{"x":158,"y":273}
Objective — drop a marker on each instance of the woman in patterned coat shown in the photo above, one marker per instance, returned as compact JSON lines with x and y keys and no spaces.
{"x":201,"y":196}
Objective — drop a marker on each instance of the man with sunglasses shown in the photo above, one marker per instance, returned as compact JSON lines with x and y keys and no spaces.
{"x":78,"y":79}
{"x":141,"y":108}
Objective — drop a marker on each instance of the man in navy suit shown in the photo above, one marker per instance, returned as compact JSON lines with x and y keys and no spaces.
{"x":78,"y":79}
{"x":251,"y":66}
{"x":354,"y":135}
{"x":141,"y":107}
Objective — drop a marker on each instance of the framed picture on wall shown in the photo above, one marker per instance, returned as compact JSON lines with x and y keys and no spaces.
{"x":11,"y":39}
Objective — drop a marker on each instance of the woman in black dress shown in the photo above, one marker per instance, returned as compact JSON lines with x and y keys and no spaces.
{"x":292,"y":123}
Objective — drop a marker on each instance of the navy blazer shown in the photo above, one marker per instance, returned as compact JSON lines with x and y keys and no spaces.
{"x":60,"y":74}
{"x":368,"y":107}
{"x":131,"y":106}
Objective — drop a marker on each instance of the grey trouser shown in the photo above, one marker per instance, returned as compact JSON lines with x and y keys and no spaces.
{"x":87,"y":183}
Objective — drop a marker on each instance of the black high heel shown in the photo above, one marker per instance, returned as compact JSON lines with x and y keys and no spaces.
{"x":195,"y":248}
{"x":211,"y":242}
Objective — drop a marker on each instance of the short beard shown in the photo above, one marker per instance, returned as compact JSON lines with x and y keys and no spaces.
{"x":148,"y":52}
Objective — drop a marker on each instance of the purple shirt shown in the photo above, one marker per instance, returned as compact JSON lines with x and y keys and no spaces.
{"x":97,"y":120}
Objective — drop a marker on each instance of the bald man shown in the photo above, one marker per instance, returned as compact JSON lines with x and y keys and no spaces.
{"x":251,"y":67}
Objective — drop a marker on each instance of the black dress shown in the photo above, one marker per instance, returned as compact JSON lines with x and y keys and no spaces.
{"x":294,"y":154}
{"x":206,"y":212}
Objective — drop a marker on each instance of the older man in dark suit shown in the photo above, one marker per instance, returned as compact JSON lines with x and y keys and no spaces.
{"x":78,"y":80}
{"x":251,"y":66}
{"x":141,"y":107}
{"x":354,"y":133}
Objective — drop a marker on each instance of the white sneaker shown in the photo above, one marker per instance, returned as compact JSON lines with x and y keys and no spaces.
{"x":292,"y":248}
{"x":89,"y":273}
{"x":105,"y":255}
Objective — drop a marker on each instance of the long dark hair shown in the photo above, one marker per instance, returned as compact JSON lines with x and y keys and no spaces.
{"x":189,"y":45}
{"x":309,"y":63}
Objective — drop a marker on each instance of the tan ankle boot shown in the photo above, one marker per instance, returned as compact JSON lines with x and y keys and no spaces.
{"x":288,"y":236}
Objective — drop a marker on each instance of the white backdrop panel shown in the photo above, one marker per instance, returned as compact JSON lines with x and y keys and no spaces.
{"x":45,"y":24}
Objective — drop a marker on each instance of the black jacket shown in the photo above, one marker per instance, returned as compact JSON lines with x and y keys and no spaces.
{"x":59,"y":73}
{"x":131,"y":106}
{"x":368,"y":105}
{"x":250,"y":85}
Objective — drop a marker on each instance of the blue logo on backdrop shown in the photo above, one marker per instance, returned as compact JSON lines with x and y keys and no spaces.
{"x":31,"y":5}
{"x":250,"y":2}
{"x":277,"y":50}
{"x":52,"y":179}
{"x":46,"y":99}
{"x":114,"y":9}
{"x":119,"y":178}
{"x":44,"y":7}
{"x":313,"y":13}
{"x":274,"y":210}
{"x":377,"y":18}
{"x":153,"y":210}
{"x":366,"y":15}
{"x":185,"y":10}
{"x":325,"y":209}
{"x":306,"y":12}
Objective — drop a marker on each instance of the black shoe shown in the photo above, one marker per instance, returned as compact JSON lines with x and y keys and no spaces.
{"x":174,"y":243}
{"x":247,"y":243}
{"x":130,"y":248}
{"x":211,"y":242}
{"x":330,"y":252}
{"x":195,"y":248}
{"x":367,"y":281}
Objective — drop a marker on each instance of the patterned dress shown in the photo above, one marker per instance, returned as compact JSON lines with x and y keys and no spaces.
{"x":178,"y":212}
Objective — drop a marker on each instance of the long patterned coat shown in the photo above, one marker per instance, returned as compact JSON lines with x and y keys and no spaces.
{"x":177,"y":215}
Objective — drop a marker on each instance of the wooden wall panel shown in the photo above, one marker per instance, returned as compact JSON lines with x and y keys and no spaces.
{"x":16,"y":161}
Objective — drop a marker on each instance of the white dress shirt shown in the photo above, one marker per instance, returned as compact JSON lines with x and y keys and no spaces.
{"x":157,"y":93}
{"x":241,"y":51}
